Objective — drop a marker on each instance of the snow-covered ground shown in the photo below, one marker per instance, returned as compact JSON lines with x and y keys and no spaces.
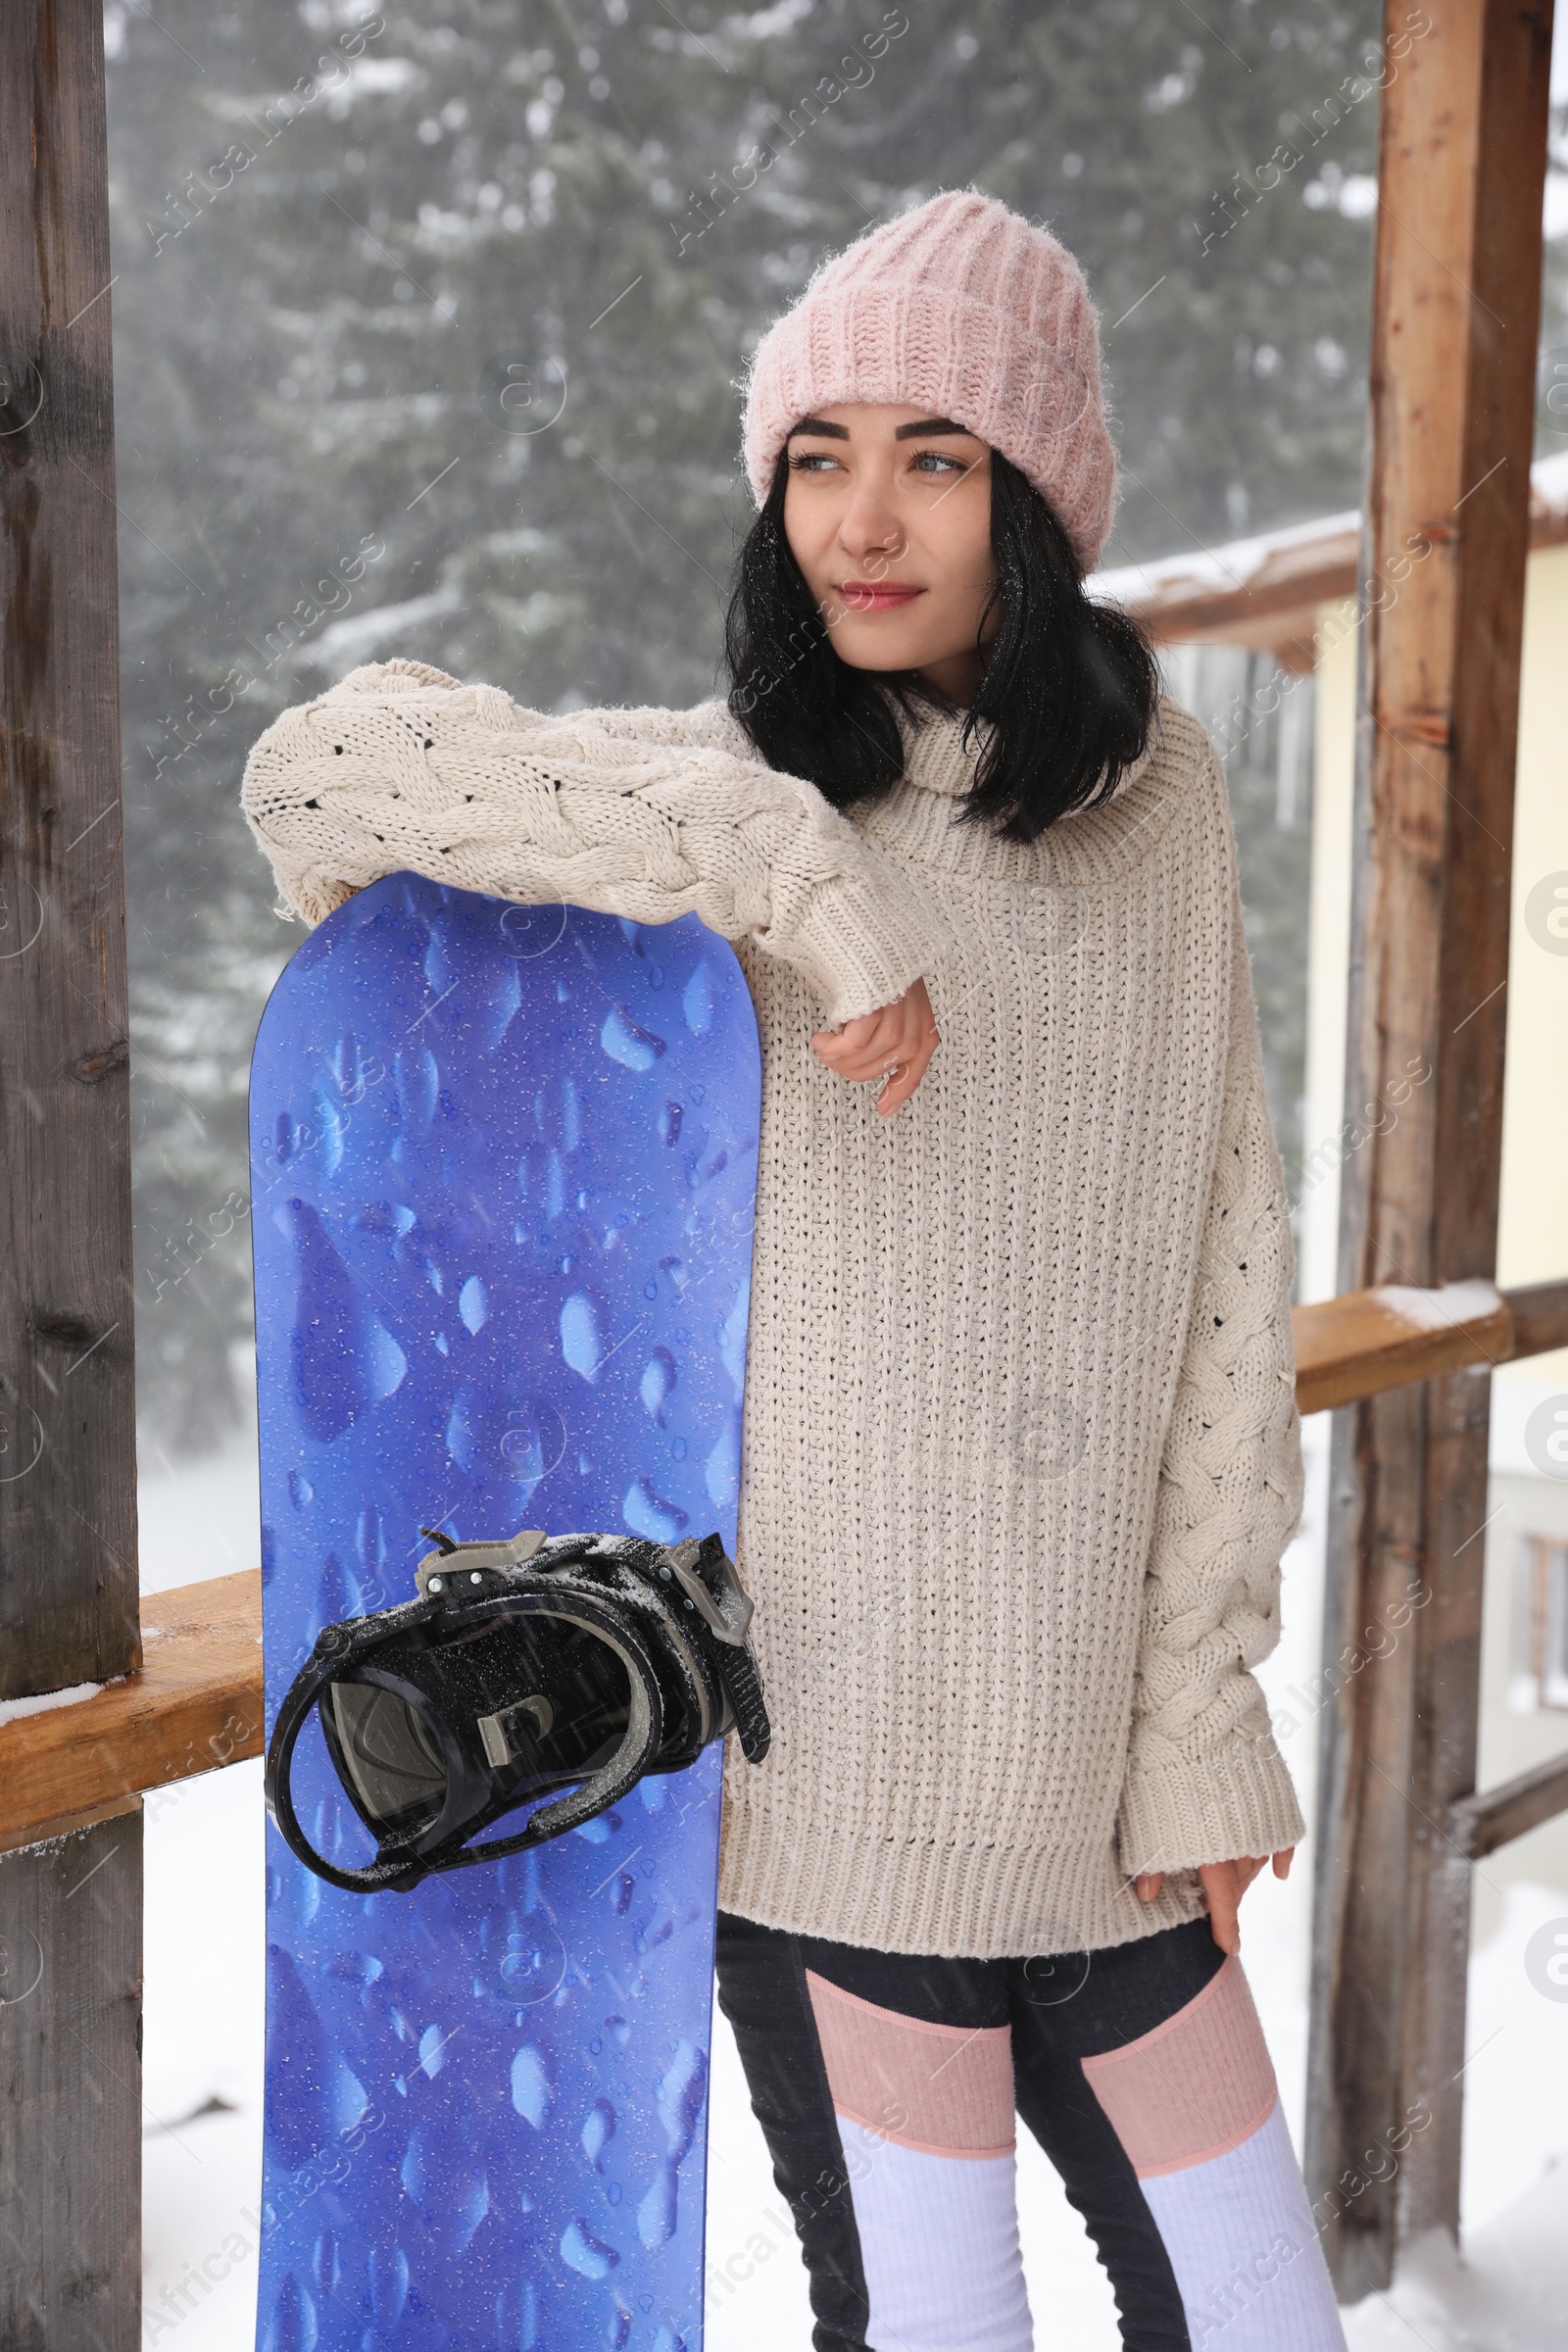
{"x":202,"y":2059}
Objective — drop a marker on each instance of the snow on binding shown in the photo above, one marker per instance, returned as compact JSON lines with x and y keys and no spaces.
{"x":504,"y":1161}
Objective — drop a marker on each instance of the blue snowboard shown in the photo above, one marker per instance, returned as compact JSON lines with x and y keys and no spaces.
{"x":504,"y":1162}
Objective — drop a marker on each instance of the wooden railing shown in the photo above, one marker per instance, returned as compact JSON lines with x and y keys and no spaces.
{"x":1270,"y":591}
{"x":196,"y":1704}
{"x":1370,"y":1341}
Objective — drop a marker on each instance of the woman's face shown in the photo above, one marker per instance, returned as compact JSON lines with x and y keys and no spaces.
{"x":888,"y":514}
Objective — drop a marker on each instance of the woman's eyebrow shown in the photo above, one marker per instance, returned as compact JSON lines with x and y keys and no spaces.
{"x":931,"y":425}
{"x":927,"y":428}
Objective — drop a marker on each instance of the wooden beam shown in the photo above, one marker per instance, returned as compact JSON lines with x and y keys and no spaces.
{"x":70,"y":2139}
{"x":1368,"y":1342}
{"x":1269,"y":591}
{"x":68,"y":1508}
{"x":1540,"y":1317}
{"x":1456,"y":282}
{"x":1478,"y":1824}
{"x":196,"y":1704}
{"x":1280,"y":594}
{"x":1371,"y":1341}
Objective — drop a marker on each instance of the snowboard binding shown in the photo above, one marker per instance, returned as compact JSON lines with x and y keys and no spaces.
{"x":565,"y":1662}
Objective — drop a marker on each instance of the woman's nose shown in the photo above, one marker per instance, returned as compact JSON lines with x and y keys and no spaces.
{"x":871,"y":527}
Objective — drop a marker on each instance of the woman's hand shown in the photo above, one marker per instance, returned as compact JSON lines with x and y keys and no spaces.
{"x":1224,"y":1884}
{"x":895,"y":1043}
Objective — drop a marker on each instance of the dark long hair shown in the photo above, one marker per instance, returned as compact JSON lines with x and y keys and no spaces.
{"x":1069,"y":687}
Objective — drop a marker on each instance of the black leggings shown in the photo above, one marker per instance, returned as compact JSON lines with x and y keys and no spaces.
{"x":886,"y":2083}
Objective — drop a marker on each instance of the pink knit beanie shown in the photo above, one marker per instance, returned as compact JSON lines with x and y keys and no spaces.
{"x":962,"y":309}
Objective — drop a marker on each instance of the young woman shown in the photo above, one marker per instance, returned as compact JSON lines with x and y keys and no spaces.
{"x":1020,"y":1362}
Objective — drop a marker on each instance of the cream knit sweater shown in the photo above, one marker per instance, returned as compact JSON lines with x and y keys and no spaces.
{"x":1020,"y":1451}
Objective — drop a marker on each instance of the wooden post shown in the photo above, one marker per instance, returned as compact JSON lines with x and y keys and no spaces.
{"x":1455,"y":310}
{"x":70,"y":1913}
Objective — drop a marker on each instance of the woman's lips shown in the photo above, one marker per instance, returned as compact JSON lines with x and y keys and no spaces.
{"x":876,"y":596}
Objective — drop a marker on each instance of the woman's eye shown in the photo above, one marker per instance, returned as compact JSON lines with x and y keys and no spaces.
{"x":932,"y":461}
{"x":810,"y":461}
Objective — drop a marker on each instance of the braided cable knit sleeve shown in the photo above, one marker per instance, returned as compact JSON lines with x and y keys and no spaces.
{"x":649,"y":814}
{"x":1205,"y":1782}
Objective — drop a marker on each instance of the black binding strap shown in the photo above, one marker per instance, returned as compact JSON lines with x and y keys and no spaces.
{"x":629,"y":1594}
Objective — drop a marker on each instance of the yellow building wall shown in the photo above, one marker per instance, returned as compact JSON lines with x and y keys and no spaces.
{"x":1533,"y":1241}
{"x":1333,"y":795}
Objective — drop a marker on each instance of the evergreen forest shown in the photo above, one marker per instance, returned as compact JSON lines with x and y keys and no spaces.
{"x":428,"y":323}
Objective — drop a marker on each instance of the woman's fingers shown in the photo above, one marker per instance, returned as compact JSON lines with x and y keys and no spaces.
{"x":870,"y":1046}
{"x":1224,"y":1892}
{"x":859,"y":1042}
{"x":907,"y":1074}
{"x":1225,"y":1884}
{"x":902,"y":1079}
{"x":895,"y":1043}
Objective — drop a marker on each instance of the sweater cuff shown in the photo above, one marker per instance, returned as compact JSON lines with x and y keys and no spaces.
{"x":1178,"y":1812}
{"x":859,"y":945}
